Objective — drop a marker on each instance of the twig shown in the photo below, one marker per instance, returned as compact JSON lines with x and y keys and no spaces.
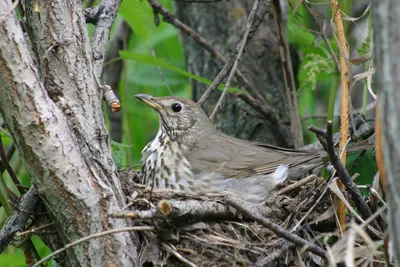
{"x":14,"y":5}
{"x":268,"y":112}
{"x":34,"y":230}
{"x":112,"y":73}
{"x":297,"y":184}
{"x":4,"y":161}
{"x":249,"y":212}
{"x":240,"y":48}
{"x":97,"y":235}
{"x":282,"y":248}
{"x":179,"y":256}
{"x":288,"y":76}
{"x":16,"y":222}
{"x":342,"y":172}
{"x":151,"y":50}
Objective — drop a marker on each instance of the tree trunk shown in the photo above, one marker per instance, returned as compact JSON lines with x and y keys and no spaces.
{"x":386,"y":18}
{"x":222,"y":24}
{"x":51,"y":102}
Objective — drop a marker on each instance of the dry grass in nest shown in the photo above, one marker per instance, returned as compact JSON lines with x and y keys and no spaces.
{"x":202,"y":230}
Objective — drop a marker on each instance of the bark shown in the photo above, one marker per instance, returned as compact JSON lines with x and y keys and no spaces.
{"x":386,"y":18}
{"x":52,"y":105}
{"x":222,"y":24}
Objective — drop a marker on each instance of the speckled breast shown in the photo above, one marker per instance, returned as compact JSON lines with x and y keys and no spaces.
{"x":165,"y":164}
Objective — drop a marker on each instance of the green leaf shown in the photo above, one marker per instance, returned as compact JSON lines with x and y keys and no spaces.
{"x":365,"y":47}
{"x":119,"y":153}
{"x":149,"y":59}
{"x":138,"y":15}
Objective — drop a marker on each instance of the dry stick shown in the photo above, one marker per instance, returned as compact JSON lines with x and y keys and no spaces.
{"x":342,"y":172}
{"x":97,"y":235}
{"x":249,"y":212}
{"x":179,"y":256}
{"x":240,"y":48}
{"x":291,"y":93}
{"x":344,"y":81}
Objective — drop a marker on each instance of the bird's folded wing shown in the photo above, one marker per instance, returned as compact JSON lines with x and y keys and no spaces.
{"x":238,"y":158}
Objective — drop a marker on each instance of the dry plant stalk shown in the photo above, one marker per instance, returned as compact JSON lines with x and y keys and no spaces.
{"x":344,"y":82}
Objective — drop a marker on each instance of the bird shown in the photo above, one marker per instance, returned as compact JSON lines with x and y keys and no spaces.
{"x":189,"y":154}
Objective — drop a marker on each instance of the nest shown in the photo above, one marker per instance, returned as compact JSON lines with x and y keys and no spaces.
{"x":203,"y":230}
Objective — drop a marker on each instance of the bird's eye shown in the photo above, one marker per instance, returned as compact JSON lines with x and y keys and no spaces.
{"x":176,"y":107}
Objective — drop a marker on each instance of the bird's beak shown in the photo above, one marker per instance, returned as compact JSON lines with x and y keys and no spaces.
{"x":149,"y":100}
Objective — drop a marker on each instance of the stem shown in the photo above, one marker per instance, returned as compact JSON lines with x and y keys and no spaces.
{"x":365,"y":92}
{"x":332,"y":97}
{"x":344,"y":82}
{"x":5,"y":196}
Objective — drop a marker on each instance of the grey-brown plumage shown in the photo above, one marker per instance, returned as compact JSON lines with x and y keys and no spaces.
{"x":189,"y":154}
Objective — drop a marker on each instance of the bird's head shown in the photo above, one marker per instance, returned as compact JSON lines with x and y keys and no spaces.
{"x":179,"y":117}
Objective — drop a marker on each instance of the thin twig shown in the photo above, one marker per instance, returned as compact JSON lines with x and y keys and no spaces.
{"x":4,"y":161}
{"x":239,"y":49}
{"x":269,"y":112}
{"x":153,"y":53}
{"x":97,"y":235}
{"x":297,"y":184}
{"x":249,"y":212}
{"x":14,"y":5}
{"x":179,"y":256}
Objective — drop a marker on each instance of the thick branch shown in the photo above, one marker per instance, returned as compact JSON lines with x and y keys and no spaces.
{"x":16,"y":222}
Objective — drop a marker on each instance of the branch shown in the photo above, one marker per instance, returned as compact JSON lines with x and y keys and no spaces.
{"x":112,"y":72}
{"x":16,"y":222}
{"x":288,"y":76}
{"x":249,"y":212}
{"x":264,"y":8}
{"x":240,"y":48}
{"x":169,"y":18}
{"x":342,"y":172}
{"x":106,"y":12}
{"x":181,"y":211}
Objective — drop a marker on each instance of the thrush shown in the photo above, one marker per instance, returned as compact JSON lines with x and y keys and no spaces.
{"x":189,"y":154}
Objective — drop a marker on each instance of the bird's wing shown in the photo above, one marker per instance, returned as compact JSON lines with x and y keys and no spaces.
{"x":239,"y":158}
